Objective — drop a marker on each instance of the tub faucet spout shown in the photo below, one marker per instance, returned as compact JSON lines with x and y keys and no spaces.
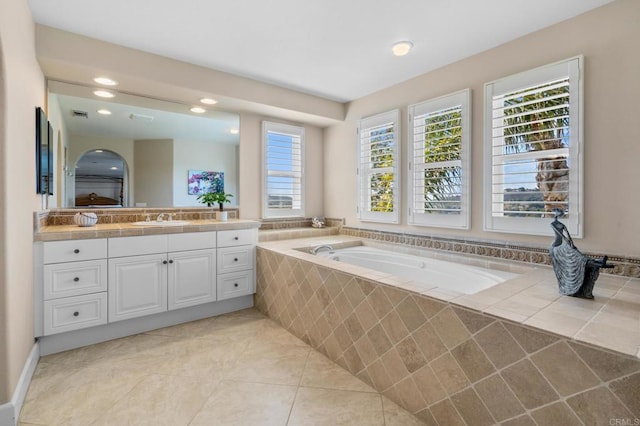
{"x":315,"y":250}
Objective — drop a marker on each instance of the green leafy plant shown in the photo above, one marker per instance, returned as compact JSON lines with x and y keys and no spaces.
{"x":211,"y":198}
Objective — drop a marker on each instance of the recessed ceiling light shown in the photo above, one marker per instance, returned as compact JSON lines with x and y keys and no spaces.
{"x":401,"y":48}
{"x":208,"y":101}
{"x":234,"y":131}
{"x":104,"y":112}
{"x":103,"y":94}
{"x":198,"y":110}
{"x":106,"y":81}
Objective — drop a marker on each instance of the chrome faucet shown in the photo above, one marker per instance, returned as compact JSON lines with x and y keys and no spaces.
{"x":315,"y":250}
{"x":160,"y":217}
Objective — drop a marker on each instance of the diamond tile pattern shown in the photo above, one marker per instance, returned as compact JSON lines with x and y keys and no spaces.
{"x":441,"y":362}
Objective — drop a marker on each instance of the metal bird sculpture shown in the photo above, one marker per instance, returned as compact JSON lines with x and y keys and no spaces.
{"x":576,"y":273}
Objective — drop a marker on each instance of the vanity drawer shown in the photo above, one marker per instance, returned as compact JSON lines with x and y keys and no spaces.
{"x":73,"y":313}
{"x":74,"y":250}
{"x":191,"y":241}
{"x":232,"y":259}
{"x":235,"y":284}
{"x":239,"y":237}
{"x":74,"y":279}
{"x":136,"y":246}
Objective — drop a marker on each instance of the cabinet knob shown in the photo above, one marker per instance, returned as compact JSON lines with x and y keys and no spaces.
{"x":76,"y":279}
{"x":164,"y":262}
{"x":171,"y":261}
{"x":76,"y":313}
{"x":235,"y":284}
{"x":236,"y":238}
{"x":76,"y":251}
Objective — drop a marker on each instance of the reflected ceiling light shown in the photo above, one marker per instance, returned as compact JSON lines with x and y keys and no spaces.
{"x":103,"y":94}
{"x":198,"y":110}
{"x":401,"y":48}
{"x":105,"y":81}
{"x":98,"y":150}
{"x":234,"y":131}
{"x":208,"y":101}
{"x":114,"y":168}
{"x":104,"y":112}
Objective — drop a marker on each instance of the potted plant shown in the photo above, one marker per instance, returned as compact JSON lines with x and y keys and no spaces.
{"x":211,"y":198}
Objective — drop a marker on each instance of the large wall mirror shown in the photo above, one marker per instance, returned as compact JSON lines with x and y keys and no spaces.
{"x":133,"y":151}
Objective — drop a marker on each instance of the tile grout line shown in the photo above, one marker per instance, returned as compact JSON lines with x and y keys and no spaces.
{"x":295,"y":397}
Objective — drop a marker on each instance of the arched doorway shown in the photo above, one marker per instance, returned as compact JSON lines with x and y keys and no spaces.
{"x":101,"y":179}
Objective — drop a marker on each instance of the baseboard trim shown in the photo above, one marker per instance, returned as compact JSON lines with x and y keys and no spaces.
{"x":10,"y":411}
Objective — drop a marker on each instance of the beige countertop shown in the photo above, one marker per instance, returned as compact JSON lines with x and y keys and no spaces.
{"x":111,"y":230}
{"x":610,"y":321}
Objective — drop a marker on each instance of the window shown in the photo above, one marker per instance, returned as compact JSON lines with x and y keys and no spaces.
{"x":378,"y":168}
{"x":533,"y":158}
{"x":283,"y":171}
{"x":439,"y":161}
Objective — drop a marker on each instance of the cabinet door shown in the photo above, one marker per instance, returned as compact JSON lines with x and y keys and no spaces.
{"x":137,"y":286}
{"x":192,"y":278}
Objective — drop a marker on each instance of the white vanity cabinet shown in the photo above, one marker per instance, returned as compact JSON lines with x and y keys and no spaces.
{"x":92,"y":290}
{"x":236,"y":260}
{"x":156,"y":273}
{"x":74,"y":285}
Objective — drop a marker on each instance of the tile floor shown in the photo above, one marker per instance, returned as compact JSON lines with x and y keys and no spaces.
{"x":235,"y":369}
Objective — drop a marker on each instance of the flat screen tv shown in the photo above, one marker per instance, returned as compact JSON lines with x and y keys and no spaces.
{"x":44,"y":159}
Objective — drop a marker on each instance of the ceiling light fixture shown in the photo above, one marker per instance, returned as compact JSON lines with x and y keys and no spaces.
{"x":105,"y":81}
{"x":401,"y":48}
{"x":208,"y":101}
{"x":103,"y":94}
{"x":198,"y":110}
{"x":104,"y":112}
{"x":234,"y":131}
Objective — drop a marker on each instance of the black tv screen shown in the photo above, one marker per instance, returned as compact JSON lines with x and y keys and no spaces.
{"x":42,"y":152}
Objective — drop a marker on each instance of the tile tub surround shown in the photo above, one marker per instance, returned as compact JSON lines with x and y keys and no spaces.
{"x":516,"y":352}
{"x":624,"y":265}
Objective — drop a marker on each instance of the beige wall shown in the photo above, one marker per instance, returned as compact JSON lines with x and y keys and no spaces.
{"x":251,"y":166}
{"x":608,"y":39}
{"x":206,"y":155}
{"x":60,"y":142}
{"x":153,"y":162}
{"x":22,"y":90}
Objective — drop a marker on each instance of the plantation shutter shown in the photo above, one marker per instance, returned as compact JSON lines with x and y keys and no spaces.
{"x":378,"y":168}
{"x":283,"y":185}
{"x":534,"y":148}
{"x":438,"y":161}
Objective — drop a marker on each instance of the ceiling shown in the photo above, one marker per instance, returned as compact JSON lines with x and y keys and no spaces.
{"x":336,"y":49}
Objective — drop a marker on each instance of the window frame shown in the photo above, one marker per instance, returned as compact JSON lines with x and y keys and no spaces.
{"x":291,"y":130}
{"x":458,"y":221}
{"x":573,"y":68}
{"x":362,"y":209}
